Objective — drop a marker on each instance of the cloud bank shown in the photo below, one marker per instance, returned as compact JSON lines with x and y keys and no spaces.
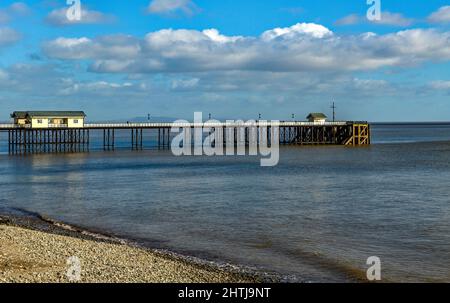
{"x":299,"y":48}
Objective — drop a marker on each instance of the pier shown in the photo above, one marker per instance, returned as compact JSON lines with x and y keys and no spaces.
{"x":60,"y":139}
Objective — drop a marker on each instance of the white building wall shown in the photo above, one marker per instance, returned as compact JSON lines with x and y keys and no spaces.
{"x":75,"y":122}
{"x":44,"y":122}
{"x":39,"y":123}
{"x":320,"y":121}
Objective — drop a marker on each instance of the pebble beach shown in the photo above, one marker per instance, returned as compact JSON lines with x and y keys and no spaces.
{"x":35,"y":253}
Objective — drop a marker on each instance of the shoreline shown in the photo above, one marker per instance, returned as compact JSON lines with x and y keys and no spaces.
{"x":37,"y":249}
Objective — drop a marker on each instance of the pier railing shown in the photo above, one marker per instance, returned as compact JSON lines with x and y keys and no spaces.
{"x":6,"y":126}
{"x":208,"y":124}
{"x":57,"y":125}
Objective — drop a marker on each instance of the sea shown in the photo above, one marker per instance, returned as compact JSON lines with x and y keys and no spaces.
{"x":318,"y":216}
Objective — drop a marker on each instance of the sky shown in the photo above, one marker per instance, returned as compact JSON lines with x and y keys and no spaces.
{"x":233,"y":59}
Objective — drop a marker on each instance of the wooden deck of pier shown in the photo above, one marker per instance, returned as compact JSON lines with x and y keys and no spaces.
{"x":22,"y":140}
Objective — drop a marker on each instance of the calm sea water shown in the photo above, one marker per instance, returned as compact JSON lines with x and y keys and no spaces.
{"x":317,"y":216}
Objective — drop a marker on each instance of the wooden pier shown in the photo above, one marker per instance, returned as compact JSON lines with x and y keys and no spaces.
{"x":23,"y":140}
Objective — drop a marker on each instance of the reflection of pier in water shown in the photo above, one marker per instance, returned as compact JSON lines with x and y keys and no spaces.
{"x":24,"y":140}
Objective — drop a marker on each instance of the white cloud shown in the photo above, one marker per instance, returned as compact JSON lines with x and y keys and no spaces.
{"x":171,"y":6}
{"x":58,"y":17}
{"x":13,"y":10}
{"x":51,"y":82}
{"x":68,"y":42}
{"x":440,"y":85}
{"x":303,"y":47}
{"x":180,"y":84}
{"x":350,"y":20}
{"x":19,"y":8}
{"x":8,"y":36}
{"x":21,"y":78}
{"x":310,"y":29}
{"x":118,"y":47}
{"x":292,"y":10}
{"x":3,"y":75}
{"x":4,"y":18}
{"x":442,"y":15}
{"x":370,"y":84}
{"x":72,"y":87}
{"x":387,"y":18}
{"x":78,"y":48}
{"x":396,"y":19}
{"x":215,"y":36}
{"x":272,"y":83}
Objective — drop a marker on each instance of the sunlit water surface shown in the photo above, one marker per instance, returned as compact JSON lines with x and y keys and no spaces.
{"x":317,"y":216}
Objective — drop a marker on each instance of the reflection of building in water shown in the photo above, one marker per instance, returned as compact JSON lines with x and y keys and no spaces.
{"x":49,"y":119}
{"x":66,"y":185}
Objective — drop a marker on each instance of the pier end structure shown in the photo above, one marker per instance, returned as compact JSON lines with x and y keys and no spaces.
{"x":49,"y":119}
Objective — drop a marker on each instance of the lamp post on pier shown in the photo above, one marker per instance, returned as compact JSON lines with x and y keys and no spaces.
{"x":334,"y":112}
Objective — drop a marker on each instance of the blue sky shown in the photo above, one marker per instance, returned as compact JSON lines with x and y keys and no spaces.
{"x":234,"y":59}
